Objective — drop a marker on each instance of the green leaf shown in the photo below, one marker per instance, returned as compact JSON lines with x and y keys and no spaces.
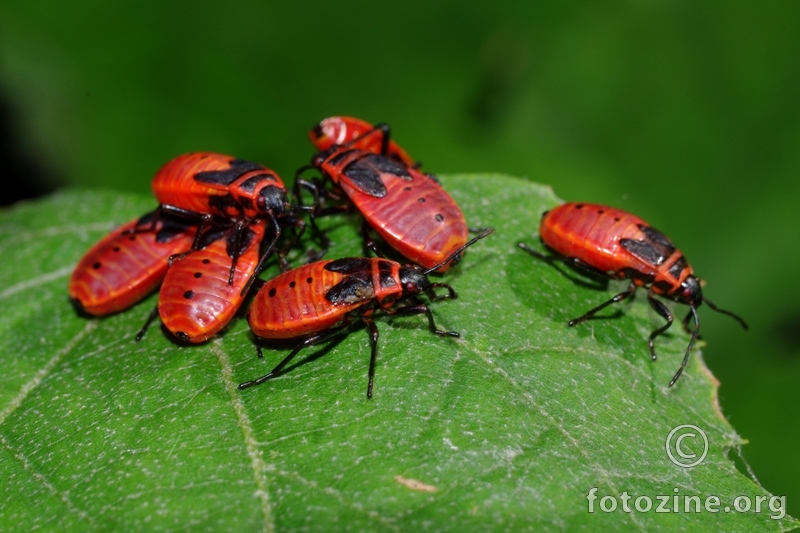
{"x":506,"y":428}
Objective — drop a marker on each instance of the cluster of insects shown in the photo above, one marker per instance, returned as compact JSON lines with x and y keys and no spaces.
{"x":220,"y":219}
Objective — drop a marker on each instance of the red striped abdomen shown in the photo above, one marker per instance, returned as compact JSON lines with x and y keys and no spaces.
{"x":175,"y":184}
{"x":416,"y":217}
{"x":615,"y":242}
{"x":293,"y":304}
{"x":123,"y":267}
{"x":196,"y":300}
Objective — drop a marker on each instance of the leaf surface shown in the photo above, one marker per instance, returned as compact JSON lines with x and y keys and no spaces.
{"x":506,"y":428}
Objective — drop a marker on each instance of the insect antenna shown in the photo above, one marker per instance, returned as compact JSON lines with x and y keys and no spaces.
{"x":736,"y":317}
{"x":485,"y":233}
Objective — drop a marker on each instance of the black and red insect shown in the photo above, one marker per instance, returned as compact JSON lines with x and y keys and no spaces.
{"x":410,"y":210}
{"x":128,"y":264}
{"x":326,"y":298}
{"x":353,"y":132}
{"x":196,"y":301}
{"x":205,"y":185}
{"x":616,"y":244}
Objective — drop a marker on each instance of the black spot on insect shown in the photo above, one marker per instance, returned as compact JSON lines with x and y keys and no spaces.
{"x":600,"y":211}
{"x":272,"y":292}
{"x":579,"y":206}
{"x":96,"y":265}
{"x":439,"y":217}
{"x":309,"y":280}
{"x":188,"y":295}
{"x":198,"y":275}
{"x":206,"y":261}
{"x":292,"y":284}
{"x":421,"y":200}
{"x":182,"y":336}
{"x":349,"y":265}
{"x":677,"y":267}
{"x":352,"y":289}
{"x":116,"y":248}
{"x":644,"y":250}
{"x":132,"y":237}
{"x":406,"y":188}
{"x":616,"y":219}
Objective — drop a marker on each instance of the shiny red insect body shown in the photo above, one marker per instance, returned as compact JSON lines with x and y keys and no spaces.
{"x":408,"y":209}
{"x":353,"y":132}
{"x":617,"y":244}
{"x":126,"y":265}
{"x":322,"y":299}
{"x":196,"y":300}
{"x":217,"y":184}
{"x":204,"y":185}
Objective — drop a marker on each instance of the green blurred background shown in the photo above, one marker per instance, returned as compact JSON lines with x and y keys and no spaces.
{"x":684,"y":114}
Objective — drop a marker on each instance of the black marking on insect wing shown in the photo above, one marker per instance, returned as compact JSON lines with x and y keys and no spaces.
{"x":247,"y":241}
{"x":632,"y":273}
{"x":341,"y":156}
{"x":644,"y":250}
{"x":350,"y":265}
{"x":214,"y":233}
{"x":385,"y":274}
{"x":225,"y":177}
{"x":351,"y":290}
{"x":147,"y":218}
{"x":658,"y":239}
{"x":171,"y":227}
{"x":663,"y":286}
{"x":366,"y":173}
{"x":677,"y":267}
{"x":223,"y":203}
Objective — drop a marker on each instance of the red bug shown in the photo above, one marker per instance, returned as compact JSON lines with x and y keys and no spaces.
{"x":322,"y":299}
{"x":617,"y":244}
{"x":127,"y":264}
{"x":353,"y":132}
{"x":407,"y":208}
{"x":196,"y":300}
{"x":203,"y":185}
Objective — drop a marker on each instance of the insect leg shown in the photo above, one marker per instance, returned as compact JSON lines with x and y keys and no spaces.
{"x":310,"y":341}
{"x":369,"y":242}
{"x":595,"y":273}
{"x":150,"y":318}
{"x":618,"y":298}
{"x":373,"y":335}
{"x":419,"y":309}
{"x":686,"y":320}
{"x":692,"y":310}
{"x":267,"y":252}
{"x":451,"y":294}
{"x":662,"y":310}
